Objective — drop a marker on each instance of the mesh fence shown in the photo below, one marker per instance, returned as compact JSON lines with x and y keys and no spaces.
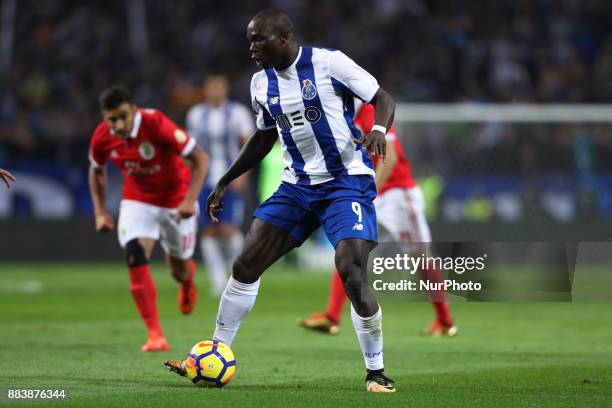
{"x":545,"y":172}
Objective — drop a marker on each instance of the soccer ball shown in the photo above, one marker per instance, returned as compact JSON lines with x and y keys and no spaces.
{"x":210,"y":363}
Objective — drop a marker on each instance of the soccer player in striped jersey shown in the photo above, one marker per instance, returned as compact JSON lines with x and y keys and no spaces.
{"x":221,"y":127}
{"x":400,"y":210}
{"x":304,"y":96}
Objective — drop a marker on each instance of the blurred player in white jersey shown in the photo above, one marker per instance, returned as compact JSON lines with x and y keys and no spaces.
{"x":221,"y":127}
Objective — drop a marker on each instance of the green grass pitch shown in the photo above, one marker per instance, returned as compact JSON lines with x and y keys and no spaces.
{"x":74,"y":326}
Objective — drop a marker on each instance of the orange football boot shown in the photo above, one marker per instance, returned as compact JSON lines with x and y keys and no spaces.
{"x":156,"y":343}
{"x":438,"y":329}
{"x":320,"y":322}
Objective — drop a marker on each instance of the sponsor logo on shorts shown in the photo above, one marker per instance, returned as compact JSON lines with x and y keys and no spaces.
{"x":358,"y":227}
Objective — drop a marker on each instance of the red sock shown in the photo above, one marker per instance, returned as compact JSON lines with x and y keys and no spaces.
{"x":337,"y":297}
{"x":191,"y":271}
{"x":438,"y":297}
{"x":145,"y":297}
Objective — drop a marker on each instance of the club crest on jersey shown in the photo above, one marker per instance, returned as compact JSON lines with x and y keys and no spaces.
{"x":309,"y":90}
{"x":146,"y":150}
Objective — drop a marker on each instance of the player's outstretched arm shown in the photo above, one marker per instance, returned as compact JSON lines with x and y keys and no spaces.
{"x":97,"y":188}
{"x":253,"y":152}
{"x":384,"y":113}
{"x":7,"y":177}
{"x":198,"y":160}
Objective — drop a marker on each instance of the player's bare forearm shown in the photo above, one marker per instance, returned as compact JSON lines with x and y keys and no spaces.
{"x":253,"y":152}
{"x":384,"y":112}
{"x":97,"y":187}
{"x":198,"y":160}
{"x":384,"y":108}
{"x":384,"y":169}
{"x":239,"y":184}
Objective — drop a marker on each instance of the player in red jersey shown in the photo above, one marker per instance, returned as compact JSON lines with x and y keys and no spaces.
{"x":400,"y":208}
{"x":160,"y":195}
{"x":7,"y":177}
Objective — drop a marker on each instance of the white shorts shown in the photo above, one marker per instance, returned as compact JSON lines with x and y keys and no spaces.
{"x":142,"y":220}
{"x":401,"y":216}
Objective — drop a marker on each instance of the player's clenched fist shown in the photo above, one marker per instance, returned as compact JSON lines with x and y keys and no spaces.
{"x":214,"y":202}
{"x":375,"y":143}
{"x":104,"y":222}
{"x":186,"y":209}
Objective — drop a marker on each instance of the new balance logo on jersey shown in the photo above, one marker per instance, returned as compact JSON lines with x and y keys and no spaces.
{"x":273,"y":100}
{"x":358,"y":227}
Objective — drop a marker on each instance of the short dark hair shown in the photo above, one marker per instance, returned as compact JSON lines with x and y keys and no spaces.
{"x":276,"y":20}
{"x":113,"y":96}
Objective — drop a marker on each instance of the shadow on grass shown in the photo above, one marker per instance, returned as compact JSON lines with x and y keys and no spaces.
{"x":54,"y":381}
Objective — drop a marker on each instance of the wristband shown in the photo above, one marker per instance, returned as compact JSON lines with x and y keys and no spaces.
{"x":380,"y":129}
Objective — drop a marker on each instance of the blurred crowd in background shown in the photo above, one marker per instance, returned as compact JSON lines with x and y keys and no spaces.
{"x":64,"y":52}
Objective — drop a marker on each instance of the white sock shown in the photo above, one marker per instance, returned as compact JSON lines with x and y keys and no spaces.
{"x":370,"y":335}
{"x":237,"y":300}
{"x":215,"y":265}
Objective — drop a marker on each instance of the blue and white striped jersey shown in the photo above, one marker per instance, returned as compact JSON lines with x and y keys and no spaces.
{"x":219,"y":131}
{"x":312,"y":107}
